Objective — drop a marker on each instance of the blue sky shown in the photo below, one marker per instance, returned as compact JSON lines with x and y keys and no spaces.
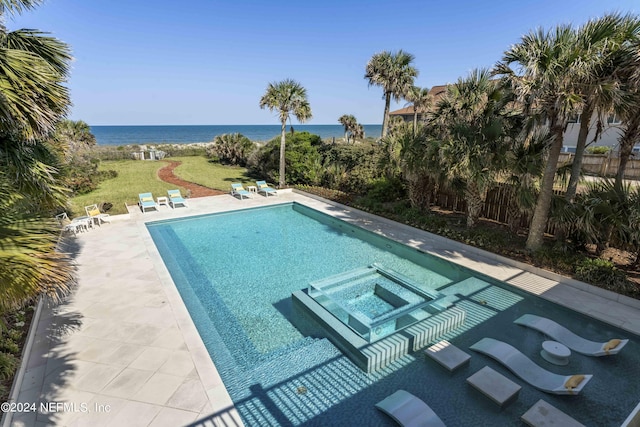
{"x":209,"y":62}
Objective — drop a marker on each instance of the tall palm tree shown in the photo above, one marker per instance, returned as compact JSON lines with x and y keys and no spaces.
{"x":286,"y":97}
{"x":33,"y":68}
{"x":349,"y":122}
{"x":475,"y":127}
{"x":394,"y":73}
{"x":603,"y":44}
{"x":545,"y":68}
{"x":421,"y":99}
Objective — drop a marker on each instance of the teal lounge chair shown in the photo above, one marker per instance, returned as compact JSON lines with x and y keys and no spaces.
{"x":263,"y":187}
{"x":175,"y":198}
{"x":145,"y":200}
{"x":238,"y":190}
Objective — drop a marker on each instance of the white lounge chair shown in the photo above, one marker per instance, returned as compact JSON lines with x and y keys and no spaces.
{"x":527,"y":370}
{"x":409,"y":411}
{"x":575,"y":342}
{"x":94,"y":213}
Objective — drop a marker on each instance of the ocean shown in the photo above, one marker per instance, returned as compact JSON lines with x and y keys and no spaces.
{"x":125,"y":135}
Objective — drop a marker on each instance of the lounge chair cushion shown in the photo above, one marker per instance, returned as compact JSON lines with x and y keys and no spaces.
{"x":573,"y":382}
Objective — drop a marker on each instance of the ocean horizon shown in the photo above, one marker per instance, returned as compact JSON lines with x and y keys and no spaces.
{"x":187,"y":134}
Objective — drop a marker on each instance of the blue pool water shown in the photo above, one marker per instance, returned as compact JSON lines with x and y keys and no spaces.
{"x":236,"y":272}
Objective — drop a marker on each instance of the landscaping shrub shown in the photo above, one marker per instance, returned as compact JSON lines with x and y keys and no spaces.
{"x":601,"y":272}
{"x":598,"y":150}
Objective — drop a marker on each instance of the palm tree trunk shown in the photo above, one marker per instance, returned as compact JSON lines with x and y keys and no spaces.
{"x":415,"y":120}
{"x":629,"y":137}
{"x":346,"y":137}
{"x":283,"y":139}
{"x":576,"y":167}
{"x":474,"y":204}
{"x":543,"y":204}
{"x":385,"y":119}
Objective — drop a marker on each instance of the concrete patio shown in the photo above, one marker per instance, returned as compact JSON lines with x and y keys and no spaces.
{"x":122,"y":349}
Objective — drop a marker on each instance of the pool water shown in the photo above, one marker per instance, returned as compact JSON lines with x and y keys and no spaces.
{"x":236,"y":272}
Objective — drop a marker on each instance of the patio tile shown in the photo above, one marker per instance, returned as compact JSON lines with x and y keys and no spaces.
{"x":134,"y":414}
{"x":127,"y":383}
{"x":151,"y":359}
{"x":171,"y":417}
{"x":97,"y":378}
{"x":179,"y":363}
{"x":159,"y":388}
{"x":189,"y":396}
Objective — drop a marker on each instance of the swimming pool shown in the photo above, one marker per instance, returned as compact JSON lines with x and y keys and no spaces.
{"x":236,"y":273}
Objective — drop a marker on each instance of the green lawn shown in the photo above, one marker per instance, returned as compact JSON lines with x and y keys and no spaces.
{"x":135,"y":176}
{"x":212,"y":175}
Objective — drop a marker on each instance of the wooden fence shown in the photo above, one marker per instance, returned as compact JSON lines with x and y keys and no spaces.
{"x":604,"y":165}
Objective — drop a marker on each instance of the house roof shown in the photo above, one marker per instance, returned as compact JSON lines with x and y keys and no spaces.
{"x":436,"y":92}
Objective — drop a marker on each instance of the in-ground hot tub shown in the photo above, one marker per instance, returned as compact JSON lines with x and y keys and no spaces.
{"x":375,"y":301}
{"x":375,"y":315}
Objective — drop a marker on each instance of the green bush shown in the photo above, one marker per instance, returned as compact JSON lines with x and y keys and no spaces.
{"x":8,"y":365}
{"x":601,"y":272}
{"x":598,"y":150}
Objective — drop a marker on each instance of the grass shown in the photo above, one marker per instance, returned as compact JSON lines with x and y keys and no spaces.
{"x":135,"y":176}
{"x":213,"y":175}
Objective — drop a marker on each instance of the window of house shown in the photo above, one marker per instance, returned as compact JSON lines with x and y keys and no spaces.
{"x":574,"y":118}
{"x":613,"y":119}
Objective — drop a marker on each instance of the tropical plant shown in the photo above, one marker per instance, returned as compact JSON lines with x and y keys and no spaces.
{"x":523,"y":168}
{"x":421,"y":165}
{"x":348,"y":121}
{"x":420,"y":100}
{"x":475,"y":127}
{"x":231,"y":148}
{"x":602,"y":213}
{"x":394,"y":73}
{"x":301,"y":156}
{"x":541,"y":69}
{"x":33,"y":68}
{"x":604,"y":46}
{"x":286,"y":97}
{"x":29,"y":262}
{"x":73,"y":137}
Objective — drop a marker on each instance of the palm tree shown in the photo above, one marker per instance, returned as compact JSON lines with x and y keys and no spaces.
{"x":349,"y":122}
{"x":394,"y":73}
{"x":29,"y":263}
{"x":33,"y":68}
{"x":421,"y":165}
{"x":604,"y":44}
{"x":546,"y":65}
{"x":474,"y":126}
{"x":421,"y":99}
{"x":286,"y":97}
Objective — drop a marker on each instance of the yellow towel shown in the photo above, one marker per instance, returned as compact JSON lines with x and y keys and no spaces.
{"x":94,"y":212}
{"x":573,"y":382}
{"x":147,"y":199}
{"x":611,"y":345}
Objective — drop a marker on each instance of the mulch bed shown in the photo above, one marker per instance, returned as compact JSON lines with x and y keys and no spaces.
{"x":195,"y":190}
